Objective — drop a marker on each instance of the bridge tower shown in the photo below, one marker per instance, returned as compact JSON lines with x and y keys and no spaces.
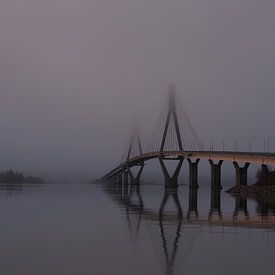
{"x":178,"y":136}
{"x":171,"y":118}
{"x":134,"y":148}
{"x":172,"y":115}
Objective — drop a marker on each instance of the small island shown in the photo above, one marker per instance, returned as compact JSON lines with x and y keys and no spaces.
{"x":264,"y":185}
{"x":13,"y":177}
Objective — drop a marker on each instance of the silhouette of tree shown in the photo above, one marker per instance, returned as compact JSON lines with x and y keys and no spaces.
{"x":11,"y":176}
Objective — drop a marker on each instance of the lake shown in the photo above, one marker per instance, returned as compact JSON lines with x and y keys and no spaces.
{"x":103,"y":229}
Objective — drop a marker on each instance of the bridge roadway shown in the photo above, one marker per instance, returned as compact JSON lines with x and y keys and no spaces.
{"x":253,"y":157}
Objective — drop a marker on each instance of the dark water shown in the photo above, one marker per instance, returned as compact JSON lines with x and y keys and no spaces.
{"x":60,"y":229}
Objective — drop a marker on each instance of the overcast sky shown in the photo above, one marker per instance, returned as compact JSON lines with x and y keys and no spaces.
{"x":74,"y":73}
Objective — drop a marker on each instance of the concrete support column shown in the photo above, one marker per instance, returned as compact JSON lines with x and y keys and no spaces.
{"x":193,"y":173}
{"x":171,"y":181}
{"x":125,"y":177}
{"x":241,"y":173}
{"x":125,"y":183}
{"x":119,"y":183}
{"x":114,"y":179}
{"x":119,"y":178}
{"x":264,"y":174}
{"x":135,"y":180}
{"x":216,"y":174}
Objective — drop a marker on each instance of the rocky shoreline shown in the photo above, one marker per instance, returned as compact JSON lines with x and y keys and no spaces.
{"x":252,"y":189}
{"x":258,"y":191}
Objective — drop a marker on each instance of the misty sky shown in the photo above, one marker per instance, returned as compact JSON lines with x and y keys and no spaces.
{"x":74,"y":74}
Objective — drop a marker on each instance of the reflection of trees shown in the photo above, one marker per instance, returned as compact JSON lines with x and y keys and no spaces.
{"x":11,"y":189}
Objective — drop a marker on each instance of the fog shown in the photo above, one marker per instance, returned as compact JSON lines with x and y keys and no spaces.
{"x":74,"y":75}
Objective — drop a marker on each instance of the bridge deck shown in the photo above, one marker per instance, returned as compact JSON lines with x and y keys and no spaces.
{"x":253,"y":157}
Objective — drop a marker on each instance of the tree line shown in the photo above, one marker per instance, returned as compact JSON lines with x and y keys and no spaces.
{"x":11,"y":176}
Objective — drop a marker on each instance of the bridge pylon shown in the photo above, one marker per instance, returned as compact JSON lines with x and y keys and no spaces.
{"x":135,"y":180}
{"x":135,"y":149}
{"x":172,"y":117}
{"x":171,"y":181}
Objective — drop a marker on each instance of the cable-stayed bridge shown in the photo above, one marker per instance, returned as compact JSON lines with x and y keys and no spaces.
{"x":175,"y":138}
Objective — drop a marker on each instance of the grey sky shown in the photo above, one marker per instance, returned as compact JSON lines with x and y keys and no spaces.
{"x":74,"y":73}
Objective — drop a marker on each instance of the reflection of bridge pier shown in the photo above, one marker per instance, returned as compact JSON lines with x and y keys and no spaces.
{"x":215,"y":205}
{"x":134,"y":219}
{"x":265,"y":207}
{"x":170,"y":256}
{"x":193,"y":204}
{"x":241,"y":207}
{"x":135,"y":190}
{"x":173,"y":192}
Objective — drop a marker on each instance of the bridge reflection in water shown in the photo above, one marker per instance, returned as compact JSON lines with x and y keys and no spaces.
{"x":173,"y":230}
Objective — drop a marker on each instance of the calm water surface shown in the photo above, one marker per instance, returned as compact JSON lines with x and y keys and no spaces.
{"x":60,"y":229}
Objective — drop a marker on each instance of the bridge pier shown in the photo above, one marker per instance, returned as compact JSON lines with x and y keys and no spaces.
{"x":114,"y":179}
{"x":119,"y":178}
{"x":193,"y":173}
{"x":125,"y":177}
{"x":171,"y":181}
{"x":264,"y":174}
{"x":241,"y":173}
{"x":135,"y":180}
{"x":216,"y":174}
{"x":125,"y":182}
{"x":119,"y":184}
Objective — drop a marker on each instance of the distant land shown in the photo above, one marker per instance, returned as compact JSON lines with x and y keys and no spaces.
{"x":13,"y":177}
